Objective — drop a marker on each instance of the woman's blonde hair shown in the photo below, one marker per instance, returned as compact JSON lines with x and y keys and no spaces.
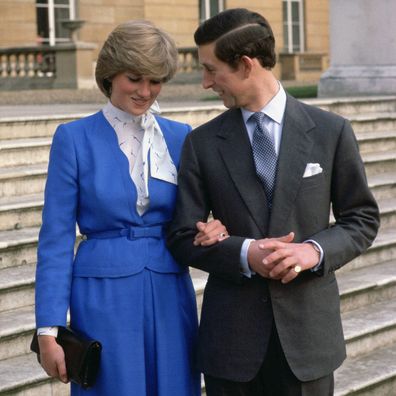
{"x":137,"y":47}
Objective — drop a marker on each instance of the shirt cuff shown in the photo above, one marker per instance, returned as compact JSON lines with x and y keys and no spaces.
{"x":321,"y":255}
{"x":49,"y":331}
{"x":245,"y":269}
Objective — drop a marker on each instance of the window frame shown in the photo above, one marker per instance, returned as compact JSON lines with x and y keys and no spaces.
{"x":51,"y":8}
{"x":205,"y":8}
{"x":289,"y":24}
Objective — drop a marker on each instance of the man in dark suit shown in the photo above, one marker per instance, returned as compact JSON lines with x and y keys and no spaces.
{"x":267,"y":167}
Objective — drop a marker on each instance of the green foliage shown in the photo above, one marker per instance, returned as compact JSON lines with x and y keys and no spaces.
{"x":303,"y":92}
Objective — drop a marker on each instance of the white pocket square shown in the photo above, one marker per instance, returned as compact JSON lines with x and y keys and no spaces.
{"x":312,"y":170}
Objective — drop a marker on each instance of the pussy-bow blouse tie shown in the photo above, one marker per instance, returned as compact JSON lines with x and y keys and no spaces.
{"x":143,"y":143}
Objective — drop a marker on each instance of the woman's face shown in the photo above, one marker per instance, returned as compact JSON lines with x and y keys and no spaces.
{"x":134,"y":94}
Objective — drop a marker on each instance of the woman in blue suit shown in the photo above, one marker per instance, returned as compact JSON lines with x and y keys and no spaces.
{"x":114,"y":173}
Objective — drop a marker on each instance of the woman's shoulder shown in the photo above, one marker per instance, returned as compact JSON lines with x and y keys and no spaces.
{"x":78,"y":128}
{"x":81,"y":123}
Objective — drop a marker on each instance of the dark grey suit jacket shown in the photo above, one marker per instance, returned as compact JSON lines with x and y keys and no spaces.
{"x":217,"y":174}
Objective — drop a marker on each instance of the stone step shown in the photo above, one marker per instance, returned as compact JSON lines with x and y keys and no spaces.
{"x":373,"y":374}
{"x":380,"y":162}
{"x":26,"y":127}
{"x":199,"y":280}
{"x":361,"y":287}
{"x":377,"y":141}
{"x":23,"y":376}
{"x":20,"y":211}
{"x":359,"y":105}
{"x":17,"y":320}
{"x":382,"y":250}
{"x":17,"y":287}
{"x":370,"y":327}
{"x":31,"y":151}
{"x":388,"y":212}
{"x":384,"y":118}
{"x":373,"y":122}
{"x":383,"y":185}
{"x":16,"y":331}
{"x":45,"y":125}
{"x":387,"y":207}
{"x":22,"y":180}
{"x":18,"y":152}
{"x":25,"y":211}
{"x":30,"y":179}
{"x":18,"y":247}
{"x":366,"y":328}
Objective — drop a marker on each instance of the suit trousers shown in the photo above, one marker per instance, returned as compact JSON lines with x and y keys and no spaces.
{"x":274,"y":378}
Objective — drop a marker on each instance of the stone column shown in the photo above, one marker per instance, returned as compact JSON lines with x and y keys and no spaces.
{"x":362,"y":49}
{"x":74,"y":66}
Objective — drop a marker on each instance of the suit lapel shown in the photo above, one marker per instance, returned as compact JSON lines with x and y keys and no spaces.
{"x":295,"y":149}
{"x":236,"y":152}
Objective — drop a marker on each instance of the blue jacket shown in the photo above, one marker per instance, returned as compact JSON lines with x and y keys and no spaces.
{"x":89,"y":184}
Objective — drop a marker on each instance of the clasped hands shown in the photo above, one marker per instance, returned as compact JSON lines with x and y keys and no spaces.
{"x":272,"y":258}
{"x":279,"y":258}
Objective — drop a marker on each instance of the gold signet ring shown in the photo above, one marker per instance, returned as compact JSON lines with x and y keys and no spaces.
{"x":297,"y":269}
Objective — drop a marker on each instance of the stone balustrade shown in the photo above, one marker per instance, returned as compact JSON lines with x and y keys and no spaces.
{"x":188,"y":59}
{"x":27,"y":62}
{"x":68,"y":65}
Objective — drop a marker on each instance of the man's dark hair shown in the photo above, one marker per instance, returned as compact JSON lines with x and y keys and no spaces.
{"x":238,"y":32}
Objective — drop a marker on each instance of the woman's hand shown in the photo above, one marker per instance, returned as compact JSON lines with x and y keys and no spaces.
{"x":210,"y":233}
{"x":52,"y":358}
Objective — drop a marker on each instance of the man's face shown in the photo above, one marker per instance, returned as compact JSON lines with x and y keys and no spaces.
{"x":225,"y":81}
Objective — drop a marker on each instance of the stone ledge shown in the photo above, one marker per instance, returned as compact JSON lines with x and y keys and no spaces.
{"x":363,"y":373}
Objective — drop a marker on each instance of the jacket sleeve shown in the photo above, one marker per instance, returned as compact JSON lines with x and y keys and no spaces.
{"x":193,"y":204}
{"x":58,"y":233}
{"x":354,"y":207}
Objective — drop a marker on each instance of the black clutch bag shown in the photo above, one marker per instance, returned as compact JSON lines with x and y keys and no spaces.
{"x":82,"y":356}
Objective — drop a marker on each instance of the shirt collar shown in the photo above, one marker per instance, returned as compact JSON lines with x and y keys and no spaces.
{"x":274,"y":109}
{"x":120,"y":115}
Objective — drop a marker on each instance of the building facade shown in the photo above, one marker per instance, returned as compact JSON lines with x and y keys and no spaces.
{"x":300,"y":26}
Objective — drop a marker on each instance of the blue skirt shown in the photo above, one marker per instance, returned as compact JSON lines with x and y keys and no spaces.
{"x":147,"y":324}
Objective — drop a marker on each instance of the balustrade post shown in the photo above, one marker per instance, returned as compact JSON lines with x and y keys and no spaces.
{"x":74,"y":65}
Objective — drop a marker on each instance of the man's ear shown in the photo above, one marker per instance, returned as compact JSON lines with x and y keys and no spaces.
{"x":246,"y":65}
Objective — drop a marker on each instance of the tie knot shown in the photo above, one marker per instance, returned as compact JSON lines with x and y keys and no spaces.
{"x":258,"y":117}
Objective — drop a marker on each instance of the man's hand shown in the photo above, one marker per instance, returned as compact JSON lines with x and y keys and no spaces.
{"x":286,"y":257}
{"x":210,"y":233}
{"x":257,"y":253}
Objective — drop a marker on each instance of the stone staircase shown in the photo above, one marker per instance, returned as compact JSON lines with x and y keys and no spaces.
{"x":367,"y":285}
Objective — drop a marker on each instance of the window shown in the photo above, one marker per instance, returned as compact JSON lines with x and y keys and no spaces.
{"x":50,"y":14}
{"x":209,"y":8}
{"x":293,"y":26}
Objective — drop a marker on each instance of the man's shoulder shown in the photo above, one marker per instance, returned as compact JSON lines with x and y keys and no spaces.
{"x":212,"y":126}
